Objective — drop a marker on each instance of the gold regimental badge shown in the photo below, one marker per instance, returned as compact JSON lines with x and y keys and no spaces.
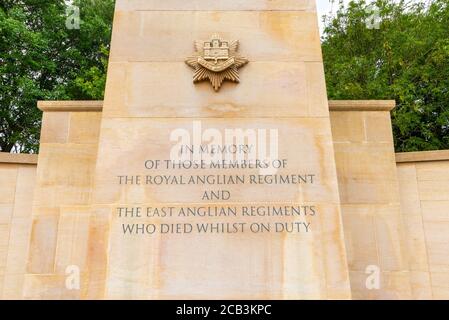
{"x":216,"y":60}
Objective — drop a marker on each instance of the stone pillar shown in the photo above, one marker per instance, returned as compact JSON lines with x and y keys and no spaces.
{"x":369,"y":194}
{"x":63,"y":230}
{"x":150,"y":95}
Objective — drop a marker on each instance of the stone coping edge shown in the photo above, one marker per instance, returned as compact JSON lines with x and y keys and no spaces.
{"x":70,"y":106}
{"x":334,"y":105}
{"x":20,"y":158}
{"x":422,"y":156}
{"x":361,"y":105}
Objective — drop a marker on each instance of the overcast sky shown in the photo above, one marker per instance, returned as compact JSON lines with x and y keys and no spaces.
{"x":324,"y":7}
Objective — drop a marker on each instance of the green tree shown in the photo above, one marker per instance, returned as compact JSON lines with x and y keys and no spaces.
{"x":42,"y":59}
{"x":406,"y":59}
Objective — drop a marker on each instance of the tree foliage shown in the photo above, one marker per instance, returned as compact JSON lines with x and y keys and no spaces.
{"x":406,"y":59}
{"x":42,"y":59}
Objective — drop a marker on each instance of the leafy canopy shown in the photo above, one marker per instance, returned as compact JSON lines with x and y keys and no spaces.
{"x":406,"y":59}
{"x":42,"y":59}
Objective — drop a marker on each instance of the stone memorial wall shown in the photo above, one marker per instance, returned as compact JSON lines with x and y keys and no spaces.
{"x":216,"y":168}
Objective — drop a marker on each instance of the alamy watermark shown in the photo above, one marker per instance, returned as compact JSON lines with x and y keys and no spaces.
{"x":73,"y":277}
{"x":373,"y":20}
{"x":72,"y":13}
{"x":236,"y":145}
{"x":373,"y":279}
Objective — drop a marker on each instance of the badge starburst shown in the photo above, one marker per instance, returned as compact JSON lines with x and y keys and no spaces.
{"x":216,"y":60}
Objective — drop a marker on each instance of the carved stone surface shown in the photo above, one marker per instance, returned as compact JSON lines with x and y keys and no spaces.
{"x":216,"y":60}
